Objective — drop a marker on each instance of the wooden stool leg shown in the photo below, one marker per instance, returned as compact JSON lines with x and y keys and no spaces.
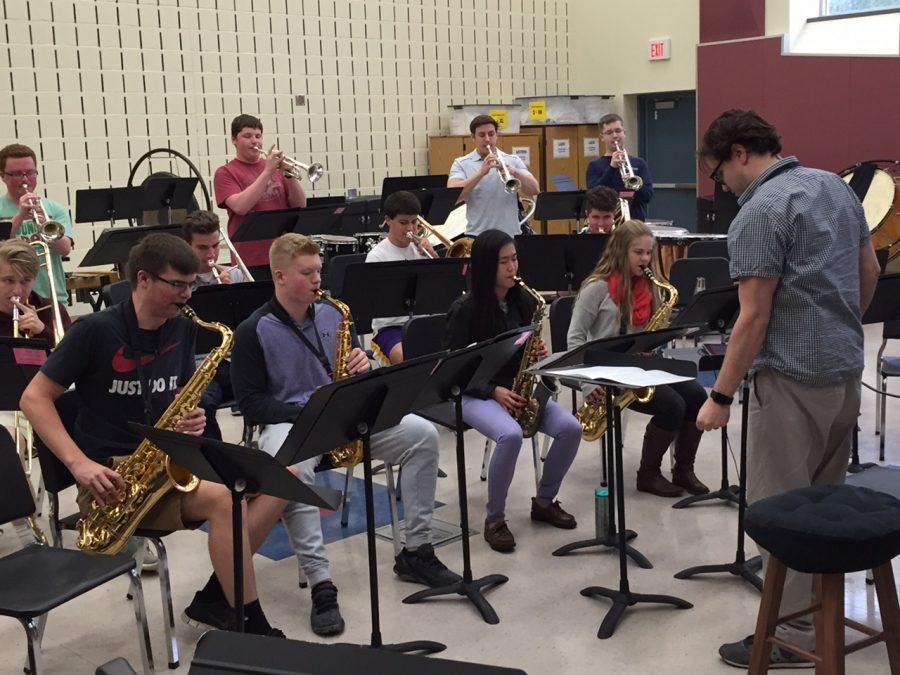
{"x":768,"y":616}
{"x":890,"y":613}
{"x":830,"y":626}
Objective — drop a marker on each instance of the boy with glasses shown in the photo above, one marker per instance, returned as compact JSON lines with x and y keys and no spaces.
{"x":18,"y":167}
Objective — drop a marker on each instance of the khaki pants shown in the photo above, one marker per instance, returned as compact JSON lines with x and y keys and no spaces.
{"x":798,"y":436}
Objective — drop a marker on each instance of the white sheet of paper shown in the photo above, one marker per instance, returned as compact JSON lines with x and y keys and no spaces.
{"x":627,"y":376}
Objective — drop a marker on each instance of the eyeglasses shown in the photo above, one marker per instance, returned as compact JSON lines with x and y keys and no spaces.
{"x":716,"y":175}
{"x":177,"y":285}
{"x":19,"y":175}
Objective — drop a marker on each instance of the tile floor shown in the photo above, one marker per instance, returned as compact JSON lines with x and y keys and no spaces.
{"x":546,"y":625}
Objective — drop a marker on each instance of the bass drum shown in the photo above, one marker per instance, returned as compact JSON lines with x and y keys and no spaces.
{"x":332,"y":245}
{"x":881,"y":200}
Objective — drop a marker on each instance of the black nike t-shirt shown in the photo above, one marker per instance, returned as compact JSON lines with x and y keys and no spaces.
{"x":98,"y":355}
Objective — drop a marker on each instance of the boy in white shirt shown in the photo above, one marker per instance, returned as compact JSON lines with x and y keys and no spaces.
{"x":401,"y":214}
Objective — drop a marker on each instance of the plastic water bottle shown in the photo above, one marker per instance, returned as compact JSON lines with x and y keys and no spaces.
{"x":601,"y":512}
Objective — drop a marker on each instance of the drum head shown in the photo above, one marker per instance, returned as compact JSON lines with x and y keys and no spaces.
{"x":879,"y":199}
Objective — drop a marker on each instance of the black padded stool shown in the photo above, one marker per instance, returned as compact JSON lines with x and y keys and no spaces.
{"x":827,"y":531}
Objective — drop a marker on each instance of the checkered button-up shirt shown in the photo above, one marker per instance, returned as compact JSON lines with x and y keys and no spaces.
{"x":804,"y":227}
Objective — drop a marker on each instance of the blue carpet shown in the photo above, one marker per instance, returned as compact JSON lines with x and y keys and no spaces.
{"x":277,"y":546}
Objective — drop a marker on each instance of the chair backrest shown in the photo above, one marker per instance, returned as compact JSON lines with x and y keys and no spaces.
{"x":57,"y":476}
{"x":685,"y":271}
{"x":115,"y":293}
{"x":715,"y":248}
{"x":15,"y":494}
{"x":337,"y":266}
{"x":423,"y":335}
{"x":560,"y":318}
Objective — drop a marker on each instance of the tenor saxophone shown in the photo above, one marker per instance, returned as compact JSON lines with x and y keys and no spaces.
{"x":529,"y":415}
{"x":593,"y":416}
{"x":148,"y":473}
{"x":352,"y":453}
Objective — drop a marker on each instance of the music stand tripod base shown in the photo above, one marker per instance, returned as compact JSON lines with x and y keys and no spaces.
{"x":612,"y":541}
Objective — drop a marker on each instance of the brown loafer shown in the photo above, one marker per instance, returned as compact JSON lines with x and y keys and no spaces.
{"x":553,"y":514}
{"x":657,"y":484}
{"x":498,"y":536}
{"x":689,"y":481}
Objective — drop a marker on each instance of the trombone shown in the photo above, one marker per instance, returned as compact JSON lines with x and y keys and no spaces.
{"x":510,"y":184}
{"x":461,"y":248}
{"x":223,"y":236}
{"x":291,"y":167}
{"x":631,"y":180}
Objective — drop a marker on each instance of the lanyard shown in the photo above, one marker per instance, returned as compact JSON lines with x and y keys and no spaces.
{"x":131,"y":326}
{"x":317,"y":350}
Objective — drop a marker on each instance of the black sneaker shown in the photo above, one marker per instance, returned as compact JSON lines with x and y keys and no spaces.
{"x":325,"y":616}
{"x":206,"y":615}
{"x":422,"y":567}
{"x":738,"y":654}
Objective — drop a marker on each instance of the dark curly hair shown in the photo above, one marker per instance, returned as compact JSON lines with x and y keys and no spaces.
{"x":744,"y":127}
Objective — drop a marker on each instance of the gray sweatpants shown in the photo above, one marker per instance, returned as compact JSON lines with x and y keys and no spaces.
{"x":413,"y":444}
{"x":798,"y":436}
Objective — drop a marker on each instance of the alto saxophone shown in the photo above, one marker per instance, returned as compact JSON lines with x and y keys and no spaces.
{"x":148,"y":473}
{"x":593,"y":416}
{"x":352,"y":453}
{"x":529,"y":415}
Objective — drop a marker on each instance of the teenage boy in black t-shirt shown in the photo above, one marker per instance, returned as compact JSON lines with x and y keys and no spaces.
{"x":112,"y":357}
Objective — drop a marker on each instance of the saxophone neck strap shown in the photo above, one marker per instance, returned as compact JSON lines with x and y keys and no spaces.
{"x":134,"y":345}
{"x":317,"y":350}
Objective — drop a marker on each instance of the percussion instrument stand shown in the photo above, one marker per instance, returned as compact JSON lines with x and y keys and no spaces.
{"x":467,"y":587}
{"x":623,"y":598}
{"x":740,"y":567}
{"x":726,"y":492}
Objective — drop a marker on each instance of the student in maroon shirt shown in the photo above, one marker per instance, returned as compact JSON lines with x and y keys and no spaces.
{"x":254,"y":182}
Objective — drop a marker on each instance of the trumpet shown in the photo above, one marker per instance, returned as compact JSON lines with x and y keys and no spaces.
{"x":510,"y":184}
{"x":48,"y":231}
{"x":629,"y":178}
{"x":291,"y":167}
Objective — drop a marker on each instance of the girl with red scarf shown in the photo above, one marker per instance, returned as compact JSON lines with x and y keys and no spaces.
{"x":617,"y":298}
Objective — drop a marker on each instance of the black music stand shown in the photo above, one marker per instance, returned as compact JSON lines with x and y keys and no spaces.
{"x":885,"y":306}
{"x":243,"y":470}
{"x":401,"y":287}
{"x":559,"y":205}
{"x":716,"y":309}
{"x":634,"y":343}
{"x":222,"y":653}
{"x":362,"y":214}
{"x":164,"y":193}
{"x":623,"y":598}
{"x":437,"y":203}
{"x":229,"y":304}
{"x":558,"y":262}
{"x":5,"y":228}
{"x":353,"y":409}
{"x":20,"y":360}
{"x":110,"y":204}
{"x":114,"y":244}
{"x":458,"y":371}
{"x":266,"y":225}
{"x":392,"y":184}
{"x":740,"y":566}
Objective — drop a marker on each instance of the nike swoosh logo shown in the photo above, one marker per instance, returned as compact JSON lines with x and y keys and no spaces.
{"x":122,"y":364}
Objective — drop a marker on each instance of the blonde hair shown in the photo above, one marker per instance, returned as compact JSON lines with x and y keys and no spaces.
{"x":20,"y":255}
{"x":615,"y":260}
{"x":288,"y":246}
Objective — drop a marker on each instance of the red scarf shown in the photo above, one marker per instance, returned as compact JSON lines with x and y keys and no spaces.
{"x":641,"y":296}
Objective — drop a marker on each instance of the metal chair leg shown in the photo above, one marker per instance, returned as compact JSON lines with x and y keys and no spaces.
{"x":165,"y":589}
{"x":34,"y":632}
{"x":883,"y":411}
{"x":392,"y":502}
{"x":536,"y":459}
{"x":486,"y":461}
{"x":348,"y":482}
{"x":140,"y":617}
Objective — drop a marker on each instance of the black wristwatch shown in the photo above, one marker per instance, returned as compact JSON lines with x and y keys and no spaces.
{"x":720,"y":399}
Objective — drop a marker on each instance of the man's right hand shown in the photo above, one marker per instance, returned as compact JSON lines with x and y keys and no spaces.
{"x":509,"y":399}
{"x":273,"y":159}
{"x":617,"y":159}
{"x":106,"y":486}
{"x":596,"y":397}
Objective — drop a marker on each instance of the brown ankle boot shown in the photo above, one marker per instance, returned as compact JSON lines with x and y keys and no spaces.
{"x":685,"y":451}
{"x":649,"y":477}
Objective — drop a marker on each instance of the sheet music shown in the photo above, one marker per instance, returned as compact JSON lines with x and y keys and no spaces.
{"x":626,"y":376}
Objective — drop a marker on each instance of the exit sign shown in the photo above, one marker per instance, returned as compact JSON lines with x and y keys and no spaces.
{"x":660,"y":49}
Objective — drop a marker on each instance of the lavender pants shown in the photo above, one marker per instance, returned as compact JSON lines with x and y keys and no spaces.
{"x":491,"y":419}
